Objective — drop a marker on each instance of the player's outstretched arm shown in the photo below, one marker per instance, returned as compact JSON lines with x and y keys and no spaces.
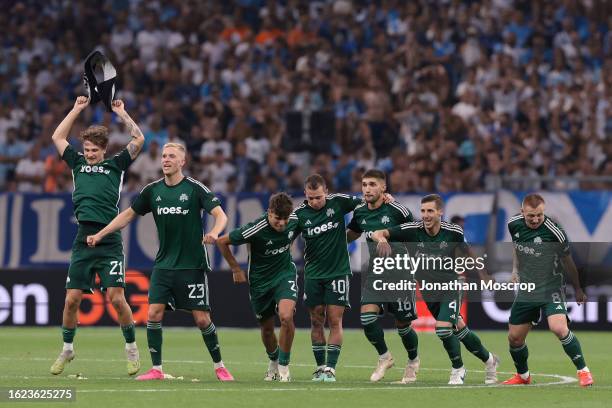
{"x":120,"y":221}
{"x":572,"y":272}
{"x":237,"y":273}
{"x":135,"y":145}
{"x":381,"y":236}
{"x":63,"y":129}
{"x":352,"y":235}
{"x":220,"y":223}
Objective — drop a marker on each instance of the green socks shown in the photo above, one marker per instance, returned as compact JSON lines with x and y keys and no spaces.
{"x":129,"y":333}
{"x":68,"y":334}
{"x":519,"y":356}
{"x":154,"y":341}
{"x":373,"y":332}
{"x":333,"y":352}
{"x":472,"y":342}
{"x":318,"y":349}
{"x":451,"y":344}
{"x":209,"y":334}
{"x":273,"y":355}
{"x":572,"y":348}
{"x":284,"y":357}
{"x":410,"y":341}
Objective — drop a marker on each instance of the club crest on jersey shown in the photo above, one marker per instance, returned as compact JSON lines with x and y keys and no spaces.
{"x":443,"y":245}
{"x":330,"y":212}
{"x":385,"y":220}
{"x":537,"y":240}
{"x":290,"y":235}
{"x":183,"y":197}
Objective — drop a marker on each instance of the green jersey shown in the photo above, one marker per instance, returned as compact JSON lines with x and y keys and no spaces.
{"x":324,"y":232}
{"x":538,"y":252}
{"x":269,"y":251}
{"x":443,"y":245}
{"x":385,"y":216}
{"x":96,"y":187}
{"x":177,"y":211}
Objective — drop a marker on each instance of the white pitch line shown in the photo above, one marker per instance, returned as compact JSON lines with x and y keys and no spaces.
{"x":561,"y":380}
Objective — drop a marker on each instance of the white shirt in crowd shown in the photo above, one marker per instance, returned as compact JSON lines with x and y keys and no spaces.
{"x":29,"y":168}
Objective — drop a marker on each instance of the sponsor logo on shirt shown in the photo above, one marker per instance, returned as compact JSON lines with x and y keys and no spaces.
{"x":277,"y":251}
{"x":85,"y":168}
{"x":322,"y":228}
{"x":158,"y":198}
{"x":172,"y":210}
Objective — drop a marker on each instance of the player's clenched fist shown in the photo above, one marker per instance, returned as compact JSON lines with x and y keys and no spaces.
{"x":92,"y":240}
{"x":81,"y":103}
{"x":210,"y":238}
{"x":239,"y":276}
{"x":118,"y":106}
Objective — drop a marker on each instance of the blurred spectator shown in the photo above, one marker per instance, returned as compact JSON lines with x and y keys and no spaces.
{"x":147,"y":166}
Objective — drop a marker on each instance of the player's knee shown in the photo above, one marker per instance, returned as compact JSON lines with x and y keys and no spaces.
{"x":560,"y":330}
{"x":515,"y":340}
{"x":286,"y":318}
{"x":155,"y":315}
{"x":202,"y":320}
{"x":72,"y":303}
{"x":118,"y":302}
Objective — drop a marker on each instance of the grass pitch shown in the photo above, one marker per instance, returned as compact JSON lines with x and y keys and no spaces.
{"x":27,"y":353}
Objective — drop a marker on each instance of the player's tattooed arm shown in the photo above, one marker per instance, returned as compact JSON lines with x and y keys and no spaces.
{"x":135,"y":145}
{"x":63,"y":129}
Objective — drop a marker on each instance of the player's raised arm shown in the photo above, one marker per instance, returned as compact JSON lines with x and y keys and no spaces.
{"x":135,"y":145}
{"x":237,"y":273}
{"x":120,"y":221}
{"x":220,"y":223}
{"x":63,"y":129}
{"x":572,"y":273}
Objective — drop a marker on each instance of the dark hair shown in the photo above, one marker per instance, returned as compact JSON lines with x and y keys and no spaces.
{"x":433,"y":198}
{"x":375,"y":173}
{"x":281,"y":205}
{"x":96,"y":134}
{"x":533,"y":200}
{"x":314,"y":181}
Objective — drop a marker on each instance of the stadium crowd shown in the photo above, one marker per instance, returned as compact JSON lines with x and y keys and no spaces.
{"x":443,"y":95}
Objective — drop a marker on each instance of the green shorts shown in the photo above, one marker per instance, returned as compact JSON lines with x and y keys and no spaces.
{"x":327,"y":292}
{"x":404,"y":310}
{"x":265,"y":302}
{"x":185,"y":289}
{"x":446,"y":310}
{"x":531,"y":312}
{"x":105,"y":259}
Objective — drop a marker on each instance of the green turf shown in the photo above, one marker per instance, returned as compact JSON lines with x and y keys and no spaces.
{"x":27,"y":353}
